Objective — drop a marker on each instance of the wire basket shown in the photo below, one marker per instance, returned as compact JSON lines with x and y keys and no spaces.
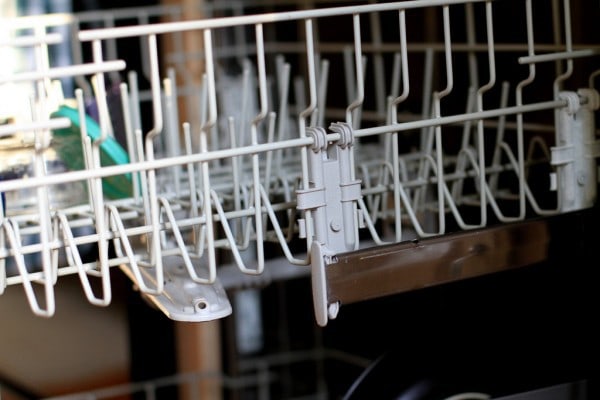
{"x":287,"y":139}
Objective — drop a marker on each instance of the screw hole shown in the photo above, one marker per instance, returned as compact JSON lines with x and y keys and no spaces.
{"x":201,"y":305}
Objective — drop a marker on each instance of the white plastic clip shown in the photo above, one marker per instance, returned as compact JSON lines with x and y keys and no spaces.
{"x":576,"y":150}
{"x":332,"y":201}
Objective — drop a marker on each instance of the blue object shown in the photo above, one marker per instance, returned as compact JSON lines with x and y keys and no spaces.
{"x":67,"y":142}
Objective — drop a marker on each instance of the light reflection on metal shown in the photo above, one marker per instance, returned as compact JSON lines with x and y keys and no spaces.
{"x":391,"y":269}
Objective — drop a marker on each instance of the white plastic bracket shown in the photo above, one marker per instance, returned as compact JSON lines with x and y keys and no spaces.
{"x":320,"y":257}
{"x":182,"y":299}
{"x":576,"y":150}
{"x":331,"y":199}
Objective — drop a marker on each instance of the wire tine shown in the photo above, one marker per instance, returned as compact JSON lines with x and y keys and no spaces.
{"x":269,"y":155}
{"x":208,"y":215}
{"x":117,"y":225}
{"x":11,"y":231}
{"x":130,"y":136}
{"x":183,"y":251}
{"x":278,"y":231}
{"x":230,"y":237}
{"x":322,"y":92}
{"x":74,"y":258}
{"x":191,"y":175}
{"x":86,"y":144}
{"x":152,"y":211}
{"x":282,"y":122}
{"x":172,"y":128}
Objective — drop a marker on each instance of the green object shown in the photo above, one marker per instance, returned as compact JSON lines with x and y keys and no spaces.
{"x":67,"y":142}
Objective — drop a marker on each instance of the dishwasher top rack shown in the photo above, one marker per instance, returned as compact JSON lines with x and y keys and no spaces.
{"x":292,"y":138}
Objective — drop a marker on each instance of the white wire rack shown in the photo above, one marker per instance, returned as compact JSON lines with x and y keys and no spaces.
{"x":390,"y":136}
{"x":258,"y":376}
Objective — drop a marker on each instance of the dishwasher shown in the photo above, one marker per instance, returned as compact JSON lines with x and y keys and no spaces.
{"x":382,"y":200}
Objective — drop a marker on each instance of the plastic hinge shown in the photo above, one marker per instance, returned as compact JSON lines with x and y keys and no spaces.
{"x":562,"y":155}
{"x":335,"y":219}
{"x":309,"y":199}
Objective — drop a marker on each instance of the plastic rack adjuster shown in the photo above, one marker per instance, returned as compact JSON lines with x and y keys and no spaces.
{"x":331,"y":200}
